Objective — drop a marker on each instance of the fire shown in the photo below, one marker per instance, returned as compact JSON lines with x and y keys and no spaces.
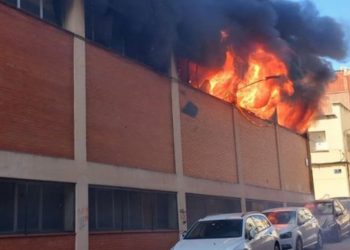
{"x":263,"y":89}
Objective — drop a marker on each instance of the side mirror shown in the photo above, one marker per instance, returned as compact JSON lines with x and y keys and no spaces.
{"x":183,"y":234}
{"x":252,"y":234}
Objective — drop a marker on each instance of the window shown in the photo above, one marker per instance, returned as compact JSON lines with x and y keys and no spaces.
{"x":199,"y":206}
{"x":249,"y":226}
{"x":122,"y":25}
{"x":260,"y":222}
{"x":49,"y":10}
{"x":260,"y":205}
{"x":36,"y":207}
{"x":318,"y":141}
{"x":114,"y":209}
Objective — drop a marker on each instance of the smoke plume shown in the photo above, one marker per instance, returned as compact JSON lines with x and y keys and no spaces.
{"x":152,"y":30}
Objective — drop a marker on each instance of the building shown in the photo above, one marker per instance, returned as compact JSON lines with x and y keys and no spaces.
{"x":100,"y":152}
{"x":330,"y":141}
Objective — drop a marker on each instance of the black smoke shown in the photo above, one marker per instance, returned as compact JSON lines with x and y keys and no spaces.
{"x":151,"y":31}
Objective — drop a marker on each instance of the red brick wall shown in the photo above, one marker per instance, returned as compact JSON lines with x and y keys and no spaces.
{"x":293,"y":152}
{"x":129,"y":120}
{"x":36,"y":86}
{"x":208,"y":144}
{"x":258,"y":152}
{"x":38,"y":243}
{"x":133,"y":241}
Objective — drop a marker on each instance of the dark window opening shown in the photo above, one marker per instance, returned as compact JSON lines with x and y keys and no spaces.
{"x":48,"y":10}
{"x":114,"y":209}
{"x":28,"y":207}
{"x":199,"y":206}
{"x":260,"y":205}
{"x":128,"y":28}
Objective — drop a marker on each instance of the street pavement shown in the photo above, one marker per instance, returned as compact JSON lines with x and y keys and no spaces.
{"x":344,"y":245}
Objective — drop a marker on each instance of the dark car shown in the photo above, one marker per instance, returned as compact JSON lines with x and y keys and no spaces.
{"x":333,"y":218}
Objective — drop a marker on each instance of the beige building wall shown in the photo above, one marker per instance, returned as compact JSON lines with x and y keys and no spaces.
{"x":330,"y":162}
{"x":330,"y":181}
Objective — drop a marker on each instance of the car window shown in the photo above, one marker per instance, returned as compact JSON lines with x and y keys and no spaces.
{"x":308,"y":214}
{"x":338,"y":208}
{"x":215,"y":229}
{"x":260,"y":222}
{"x":249,"y":225}
{"x":282,"y":217}
{"x":302,"y":217}
{"x":320,"y":208}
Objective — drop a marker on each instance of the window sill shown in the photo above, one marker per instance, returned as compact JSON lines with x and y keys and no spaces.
{"x":2,"y":236}
{"x":135,"y":231}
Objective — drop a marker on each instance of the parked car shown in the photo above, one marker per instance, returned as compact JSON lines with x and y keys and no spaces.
{"x":297,"y":227}
{"x":250,"y":231}
{"x":333,"y":218}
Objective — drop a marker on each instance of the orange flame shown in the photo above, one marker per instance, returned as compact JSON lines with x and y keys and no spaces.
{"x":263,"y":89}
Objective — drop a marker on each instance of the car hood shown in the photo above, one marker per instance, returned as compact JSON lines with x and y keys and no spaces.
{"x":210,"y":244}
{"x":284,"y":228}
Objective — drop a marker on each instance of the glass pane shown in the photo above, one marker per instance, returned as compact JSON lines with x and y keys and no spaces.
{"x":92,"y":210}
{"x":32,"y":6}
{"x":11,"y":2}
{"x":119,"y":196}
{"x":33,"y":207}
{"x":52,"y":11}
{"x":104,"y":218}
{"x":7,"y":206}
{"x":21,"y":207}
{"x":53,"y":207}
{"x":133,"y":210}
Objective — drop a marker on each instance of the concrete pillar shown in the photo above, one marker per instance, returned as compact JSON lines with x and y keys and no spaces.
{"x":181,"y":194}
{"x":240,"y":170}
{"x":74,"y":19}
{"x":81,"y":191}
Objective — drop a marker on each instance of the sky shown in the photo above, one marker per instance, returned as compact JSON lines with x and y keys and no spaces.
{"x":340,"y":10}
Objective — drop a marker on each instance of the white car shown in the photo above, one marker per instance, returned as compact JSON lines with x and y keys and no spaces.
{"x":251,"y":231}
{"x":297,"y":227}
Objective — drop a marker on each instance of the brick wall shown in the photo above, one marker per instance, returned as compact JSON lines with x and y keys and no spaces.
{"x":293,"y":152}
{"x":258,"y":152}
{"x":134,"y":241}
{"x":207,"y":139}
{"x":38,"y":243}
{"x":36,"y":86}
{"x":129,"y":120}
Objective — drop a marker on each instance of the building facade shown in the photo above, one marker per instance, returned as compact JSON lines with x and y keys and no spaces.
{"x":100,"y":152}
{"x":330,"y":141}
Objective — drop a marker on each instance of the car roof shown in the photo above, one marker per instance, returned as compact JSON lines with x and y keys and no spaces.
{"x":322,"y":200}
{"x":228,"y":216}
{"x":222,"y":217}
{"x":284,"y":209}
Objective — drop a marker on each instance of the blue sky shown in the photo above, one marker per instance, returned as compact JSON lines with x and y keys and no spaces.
{"x":340,"y":10}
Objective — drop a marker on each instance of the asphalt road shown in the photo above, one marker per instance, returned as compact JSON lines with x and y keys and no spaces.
{"x":344,"y":245}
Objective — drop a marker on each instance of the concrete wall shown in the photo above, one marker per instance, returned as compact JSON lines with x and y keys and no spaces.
{"x":331,"y":181}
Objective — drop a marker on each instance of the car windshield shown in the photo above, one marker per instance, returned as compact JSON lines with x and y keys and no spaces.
{"x":320,"y":208}
{"x":215,"y":229}
{"x":281,"y":217}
